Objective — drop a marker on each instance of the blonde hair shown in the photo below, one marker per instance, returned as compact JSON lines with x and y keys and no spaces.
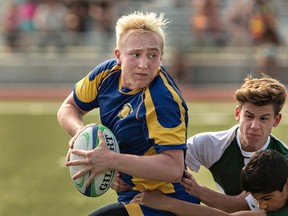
{"x":262,"y":91}
{"x":140,"y":22}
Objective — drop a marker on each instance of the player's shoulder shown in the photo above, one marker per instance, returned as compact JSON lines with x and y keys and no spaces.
{"x":279,"y":145}
{"x":108,"y":64}
{"x":223,"y":137}
{"x":165,"y":88}
{"x":206,"y":148}
{"x":277,"y":141}
{"x":105,"y":67}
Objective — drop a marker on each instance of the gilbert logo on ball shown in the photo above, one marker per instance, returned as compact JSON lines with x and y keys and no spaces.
{"x":88,"y":140}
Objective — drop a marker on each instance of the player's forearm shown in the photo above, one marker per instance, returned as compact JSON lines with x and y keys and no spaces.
{"x":158,"y":200}
{"x":70,"y":119}
{"x":183,"y":208}
{"x":221,"y":201}
{"x":159,"y":167}
{"x":70,"y":116}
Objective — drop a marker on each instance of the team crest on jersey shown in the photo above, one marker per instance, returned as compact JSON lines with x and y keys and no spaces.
{"x":126,"y":110}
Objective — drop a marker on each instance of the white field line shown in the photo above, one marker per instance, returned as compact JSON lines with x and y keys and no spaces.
{"x":50,"y":108}
{"x":29,"y":108}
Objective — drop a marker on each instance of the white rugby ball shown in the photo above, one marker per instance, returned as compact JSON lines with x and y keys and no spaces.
{"x":88,"y":140}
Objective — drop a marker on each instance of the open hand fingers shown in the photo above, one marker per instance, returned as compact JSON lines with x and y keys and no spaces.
{"x":101,"y":137}
{"x":68,"y":155}
{"x":89,"y":180}
{"x":119,"y":185}
{"x":137,"y":199}
{"x":81,"y":172}
{"x":78,"y":152}
{"x":72,"y":140}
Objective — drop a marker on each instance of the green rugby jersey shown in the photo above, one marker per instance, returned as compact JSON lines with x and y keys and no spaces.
{"x":281,"y":212}
{"x":221,"y":153}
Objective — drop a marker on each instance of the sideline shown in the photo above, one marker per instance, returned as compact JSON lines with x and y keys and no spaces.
{"x":58,"y":92}
{"x":29,"y":107}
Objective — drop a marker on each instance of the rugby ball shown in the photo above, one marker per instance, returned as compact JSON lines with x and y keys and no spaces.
{"x":88,"y":140}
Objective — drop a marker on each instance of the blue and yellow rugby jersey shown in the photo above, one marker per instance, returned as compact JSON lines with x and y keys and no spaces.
{"x":145,"y":121}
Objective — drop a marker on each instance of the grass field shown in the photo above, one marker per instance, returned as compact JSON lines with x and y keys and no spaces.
{"x":33,"y":178}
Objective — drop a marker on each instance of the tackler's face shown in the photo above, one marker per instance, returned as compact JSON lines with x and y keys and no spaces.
{"x":140,"y":56}
{"x":274,"y":201}
{"x":255,"y":123}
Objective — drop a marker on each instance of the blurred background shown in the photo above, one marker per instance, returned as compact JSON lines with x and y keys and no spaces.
{"x":210,"y":43}
{"x":48,"y":45}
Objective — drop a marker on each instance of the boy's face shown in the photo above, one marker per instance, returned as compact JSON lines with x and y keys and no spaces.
{"x":255,"y":124}
{"x":272,"y":201}
{"x":140,"y":57}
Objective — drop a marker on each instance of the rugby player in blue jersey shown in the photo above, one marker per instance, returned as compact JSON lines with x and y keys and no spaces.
{"x":141,"y":104}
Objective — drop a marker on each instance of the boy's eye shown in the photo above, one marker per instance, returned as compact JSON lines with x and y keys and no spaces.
{"x":267,"y":198}
{"x":135,"y":54}
{"x":249,"y":116}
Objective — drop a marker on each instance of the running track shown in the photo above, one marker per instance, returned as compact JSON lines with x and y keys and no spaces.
{"x":56,"y":93}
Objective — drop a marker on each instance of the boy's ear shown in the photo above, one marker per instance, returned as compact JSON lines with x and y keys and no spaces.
{"x":237,"y":113}
{"x":286,"y":185}
{"x":277,"y":120}
{"x":117,"y":55}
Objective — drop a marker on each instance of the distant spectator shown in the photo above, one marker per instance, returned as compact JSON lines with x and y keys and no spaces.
{"x":11,"y":25}
{"x":104,"y":12}
{"x":77,"y":20}
{"x":264,"y":29}
{"x":206,"y":23}
{"x":27,"y":10}
{"x":179,"y":66}
{"x":49,"y":20}
{"x":237,"y":18}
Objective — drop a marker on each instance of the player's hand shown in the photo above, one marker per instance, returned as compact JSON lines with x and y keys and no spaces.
{"x":190,"y":184}
{"x":72,"y":140}
{"x":95,"y":161}
{"x":119,"y":185}
{"x":152,"y":199}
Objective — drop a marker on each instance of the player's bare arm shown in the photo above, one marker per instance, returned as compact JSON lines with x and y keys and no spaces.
{"x":158,"y":200}
{"x":101,"y":158}
{"x":70,"y":116}
{"x":119,"y":185}
{"x":212,"y":198}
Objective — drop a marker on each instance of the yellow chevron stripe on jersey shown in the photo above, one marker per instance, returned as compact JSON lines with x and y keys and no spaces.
{"x":167,"y":136}
{"x":141,"y":183}
{"x":134,"y":209}
{"x":86,"y":94}
{"x":82,"y":87}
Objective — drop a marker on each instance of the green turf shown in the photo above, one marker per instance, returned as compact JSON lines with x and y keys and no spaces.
{"x":33,"y":178}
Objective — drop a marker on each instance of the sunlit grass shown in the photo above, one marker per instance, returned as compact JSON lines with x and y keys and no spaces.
{"x":34,"y":180}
